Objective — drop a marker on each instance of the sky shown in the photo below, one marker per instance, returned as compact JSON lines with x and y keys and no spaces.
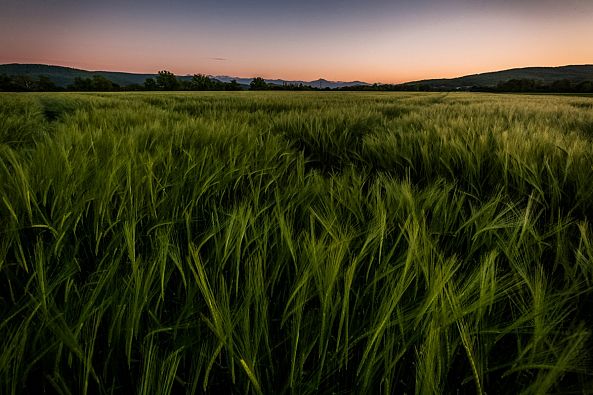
{"x":368,"y":40}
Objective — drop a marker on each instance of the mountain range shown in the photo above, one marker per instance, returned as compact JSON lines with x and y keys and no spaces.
{"x":63,"y":76}
{"x":319,"y":83}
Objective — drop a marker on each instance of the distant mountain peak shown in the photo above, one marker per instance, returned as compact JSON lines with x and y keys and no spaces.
{"x":318,"y":83}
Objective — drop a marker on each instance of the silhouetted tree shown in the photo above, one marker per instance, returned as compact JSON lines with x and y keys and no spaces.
{"x":133,"y":87}
{"x":101,"y":84}
{"x":167,"y":81}
{"x":201,"y":82}
{"x":183,"y":85}
{"x":561,"y":86}
{"x":81,"y":84}
{"x":45,"y":84}
{"x":517,"y":85}
{"x":6,"y":83}
{"x":23,"y":83}
{"x":585,"y":87}
{"x":150,"y":84}
{"x":257,"y":84}
{"x":233,"y":86}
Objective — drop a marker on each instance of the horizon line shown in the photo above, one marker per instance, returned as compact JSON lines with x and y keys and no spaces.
{"x":302,"y":80}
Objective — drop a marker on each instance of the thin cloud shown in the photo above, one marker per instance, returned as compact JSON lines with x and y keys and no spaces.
{"x":219,"y":59}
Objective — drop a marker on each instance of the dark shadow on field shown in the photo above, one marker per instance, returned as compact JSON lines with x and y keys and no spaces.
{"x":55,"y":108}
{"x":583,"y":106}
{"x":395,"y":111}
{"x":206,"y":107}
{"x":329,"y":145}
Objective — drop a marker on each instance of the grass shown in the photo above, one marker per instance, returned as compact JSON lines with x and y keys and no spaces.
{"x":295,"y":243}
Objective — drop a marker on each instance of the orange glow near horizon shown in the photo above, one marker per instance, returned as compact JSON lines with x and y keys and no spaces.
{"x":386,"y":47}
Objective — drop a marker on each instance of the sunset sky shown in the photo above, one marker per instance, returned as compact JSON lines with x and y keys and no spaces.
{"x":371,"y":40}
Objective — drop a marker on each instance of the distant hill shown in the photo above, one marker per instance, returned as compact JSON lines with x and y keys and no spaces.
{"x":545,"y":75}
{"x":63,"y":76}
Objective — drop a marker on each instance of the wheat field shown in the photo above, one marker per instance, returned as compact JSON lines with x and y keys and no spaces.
{"x":296,"y":243}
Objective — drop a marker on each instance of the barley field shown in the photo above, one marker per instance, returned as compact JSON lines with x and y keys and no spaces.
{"x":296,"y":243}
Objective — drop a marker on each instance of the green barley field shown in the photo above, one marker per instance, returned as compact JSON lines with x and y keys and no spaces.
{"x":296,"y":243}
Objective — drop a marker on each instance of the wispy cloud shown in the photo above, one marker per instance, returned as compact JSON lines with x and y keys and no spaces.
{"x":219,"y":59}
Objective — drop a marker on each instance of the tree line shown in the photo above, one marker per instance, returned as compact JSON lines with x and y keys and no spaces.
{"x":25,"y":83}
{"x":167,"y":81}
{"x":163,"y":81}
{"x":511,"y":86}
{"x":558,"y":86}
